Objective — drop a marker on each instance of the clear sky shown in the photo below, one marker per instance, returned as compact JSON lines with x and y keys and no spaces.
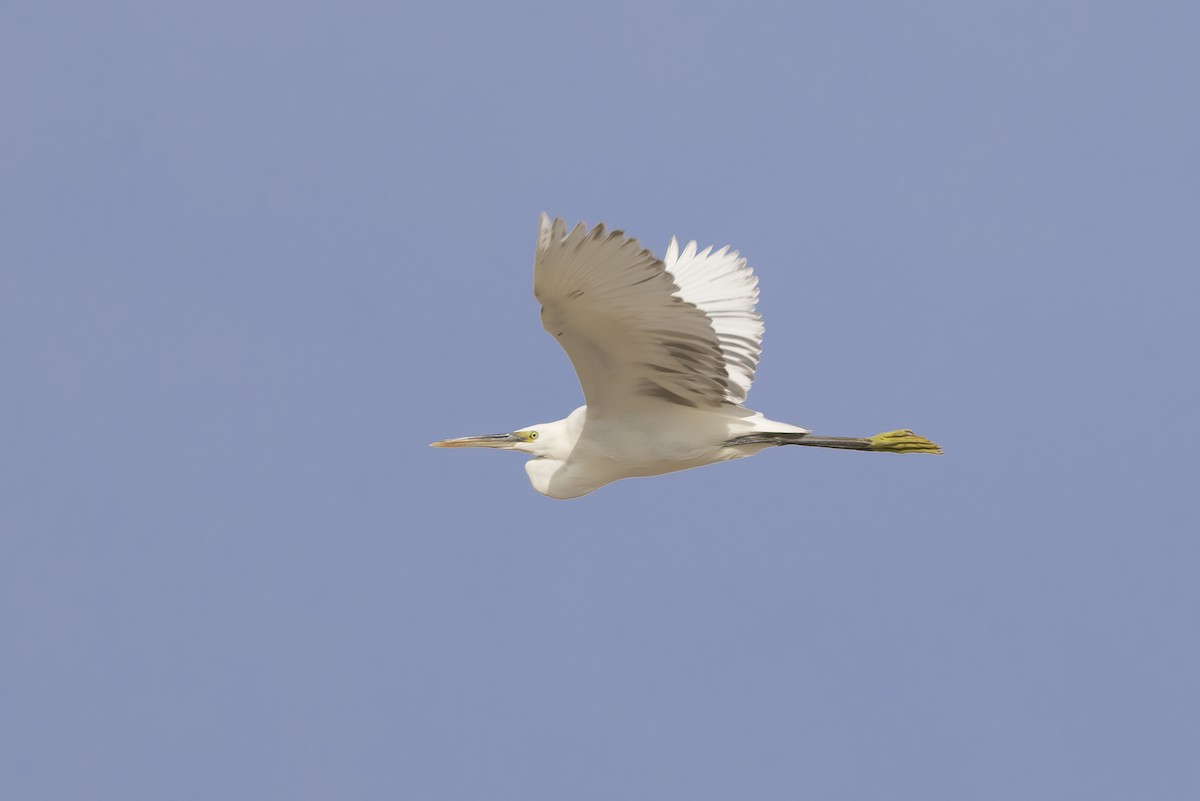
{"x":254,"y":257}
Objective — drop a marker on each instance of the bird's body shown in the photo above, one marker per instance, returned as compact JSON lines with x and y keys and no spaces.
{"x":585,"y":452}
{"x":665,"y":352}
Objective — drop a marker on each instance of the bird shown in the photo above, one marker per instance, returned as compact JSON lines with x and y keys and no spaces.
{"x":665,"y":351}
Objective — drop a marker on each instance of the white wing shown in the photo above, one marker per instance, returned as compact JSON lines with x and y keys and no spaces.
{"x":724,"y":287}
{"x":629,"y":330}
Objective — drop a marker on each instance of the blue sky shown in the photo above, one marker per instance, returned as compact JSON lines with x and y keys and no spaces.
{"x":256,"y":256}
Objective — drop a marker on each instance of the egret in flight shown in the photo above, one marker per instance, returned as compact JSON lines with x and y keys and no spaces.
{"x":665,"y":351}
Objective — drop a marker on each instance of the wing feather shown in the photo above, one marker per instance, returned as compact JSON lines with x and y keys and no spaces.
{"x":724,"y":287}
{"x":682,"y":330}
{"x":620,"y":316}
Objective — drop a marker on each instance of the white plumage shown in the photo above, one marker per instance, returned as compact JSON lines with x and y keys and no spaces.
{"x":724,"y":288}
{"x":665,"y":352}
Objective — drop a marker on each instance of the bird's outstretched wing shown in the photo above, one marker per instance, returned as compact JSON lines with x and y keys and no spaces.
{"x":724,"y":287}
{"x":638,"y":332}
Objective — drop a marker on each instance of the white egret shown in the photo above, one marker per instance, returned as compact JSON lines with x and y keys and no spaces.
{"x":665,"y":351}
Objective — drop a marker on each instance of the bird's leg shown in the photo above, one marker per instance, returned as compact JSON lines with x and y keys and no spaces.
{"x":901,"y":441}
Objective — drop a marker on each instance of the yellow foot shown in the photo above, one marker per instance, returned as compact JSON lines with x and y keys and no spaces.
{"x":903,"y":441}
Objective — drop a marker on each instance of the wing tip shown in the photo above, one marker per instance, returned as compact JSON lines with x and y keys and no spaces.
{"x":551,"y":230}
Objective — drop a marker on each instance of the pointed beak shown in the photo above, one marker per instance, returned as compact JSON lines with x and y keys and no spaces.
{"x":484,"y":441}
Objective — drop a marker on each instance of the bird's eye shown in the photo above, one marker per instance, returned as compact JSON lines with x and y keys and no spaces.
{"x":532,"y":435}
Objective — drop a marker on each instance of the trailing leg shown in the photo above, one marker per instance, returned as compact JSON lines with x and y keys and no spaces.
{"x":900,"y":441}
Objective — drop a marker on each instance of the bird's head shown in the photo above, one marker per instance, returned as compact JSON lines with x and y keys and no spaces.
{"x":550,"y":443}
{"x":544,"y":439}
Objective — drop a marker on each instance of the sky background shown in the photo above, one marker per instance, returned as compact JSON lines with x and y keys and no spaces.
{"x":255,"y":256}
